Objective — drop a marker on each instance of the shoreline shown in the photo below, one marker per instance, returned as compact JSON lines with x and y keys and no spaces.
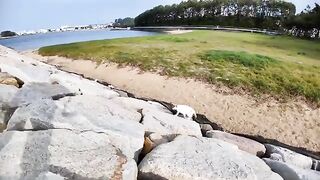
{"x":293,"y":122}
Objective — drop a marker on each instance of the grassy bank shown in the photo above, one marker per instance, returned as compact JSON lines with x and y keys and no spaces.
{"x":280,"y":66}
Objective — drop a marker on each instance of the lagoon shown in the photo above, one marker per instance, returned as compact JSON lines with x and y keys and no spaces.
{"x":31,"y":42}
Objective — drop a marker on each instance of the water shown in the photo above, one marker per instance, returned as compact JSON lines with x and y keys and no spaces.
{"x":31,"y":42}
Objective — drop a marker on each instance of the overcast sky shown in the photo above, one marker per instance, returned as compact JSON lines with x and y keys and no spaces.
{"x":20,"y":15}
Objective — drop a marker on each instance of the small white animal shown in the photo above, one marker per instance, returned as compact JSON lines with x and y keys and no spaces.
{"x":186,"y":111}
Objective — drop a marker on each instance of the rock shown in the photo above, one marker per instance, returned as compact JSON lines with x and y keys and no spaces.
{"x":34,"y":91}
{"x":84,"y":113}
{"x":7,"y":79}
{"x":49,"y":176}
{"x":205,"y":128}
{"x":244,"y":144}
{"x":158,"y":139}
{"x":80,"y":85}
{"x":291,"y":172}
{"x":147,"y":146}
{"x":7,"y":93}
{"x":25,"y":71}
{"x":154,"y":140}
{"x":168,"y":124}
{"x":191,"y":158}
{"x":202,"y":119}
{"x":288,"y":156}
{"x":136,"y":104}
{"x":5,"y":114}
{"x":62,"y":153}
{"x":316,"y":165}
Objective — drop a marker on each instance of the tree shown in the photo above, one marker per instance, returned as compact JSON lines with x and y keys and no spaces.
{"x":124,"y":23}
{"x":8,"y":34}
{"x":269,"y":14}
{"x":306,"y":24}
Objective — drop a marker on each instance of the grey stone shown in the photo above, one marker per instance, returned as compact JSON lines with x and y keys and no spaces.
{"x":25,"y":71}
{"x":7,"y":79}
{"x":168,"y":124}
{"x":288,"y":156}
{"x":34,"y":91}
{"x":190,"y":158}
{"x":291,"y":172}
{"x":136,"y":104}
{"x":7,"y":93}
{"x":84,"y":113}
{"x":62,"y":153}
{"x":244,"y":144}
{"x":205,"y":128}
{"x":80,"y":85}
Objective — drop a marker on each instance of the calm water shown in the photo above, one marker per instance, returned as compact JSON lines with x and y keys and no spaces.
{"x":30,"y":42}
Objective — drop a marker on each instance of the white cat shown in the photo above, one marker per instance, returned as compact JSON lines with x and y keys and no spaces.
{"x":186,"y":111}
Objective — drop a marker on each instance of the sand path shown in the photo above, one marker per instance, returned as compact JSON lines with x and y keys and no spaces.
{"x":293,"y":123}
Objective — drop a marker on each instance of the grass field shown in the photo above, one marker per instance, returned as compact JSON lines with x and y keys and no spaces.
{"x":277,"y":65}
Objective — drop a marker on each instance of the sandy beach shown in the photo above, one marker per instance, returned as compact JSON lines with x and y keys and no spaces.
{"x":294,"y":122}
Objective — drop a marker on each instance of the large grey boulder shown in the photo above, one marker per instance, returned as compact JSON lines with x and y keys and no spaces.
{"x":80,"y":85}
{"x":5,"y":114}
{"x":197,"y":158}
{"x":7,"y":92}
{"x":62,"y":153}
{"x":291,"y":172}
{"x":137,"y":104}
{"x":25,"y":71}
{"x":34,"y":91}
{"x":168,"y":124}
{"x":287,"y":156}
{"x":84,"y":113}
{"x":244,"y":144}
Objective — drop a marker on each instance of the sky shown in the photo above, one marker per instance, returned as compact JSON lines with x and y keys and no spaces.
{"x":18,"y":15}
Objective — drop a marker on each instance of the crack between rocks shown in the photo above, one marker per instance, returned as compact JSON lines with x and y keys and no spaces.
{"x":142,"y":116}
{"x":68,"y":129}
{"x":60,"y":96}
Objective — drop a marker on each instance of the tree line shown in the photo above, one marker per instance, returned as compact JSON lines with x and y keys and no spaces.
{"x":262,"y":14}
{"x":124,"y":23}
{"x":305,"y":24}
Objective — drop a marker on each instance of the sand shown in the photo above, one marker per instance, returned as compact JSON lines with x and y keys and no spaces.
{"x":294,"y":123}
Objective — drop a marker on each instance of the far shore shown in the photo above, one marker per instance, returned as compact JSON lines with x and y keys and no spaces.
{"x":292,"y":122}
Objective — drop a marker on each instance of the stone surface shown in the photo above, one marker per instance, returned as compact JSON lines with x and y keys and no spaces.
{"x":62,"y":153}
{"x":25,"y":71}
{"x":7,"y":79}
{"x":34,"y":91}
{"x":7,"y":93}
{"x":316,"y":165}
{"x":136,"y":104}
{"x":197,"y":158}
{"x":80,"y":85}
{"x":84,"y":113}
{"x":5,"y":114}
{"x":244,"y":144}
{"x":158,"y":139}
{"x":291,"y":172}
{"x":287,"y":156}
{"x":205,"y":128}
{"x":168,"y":124}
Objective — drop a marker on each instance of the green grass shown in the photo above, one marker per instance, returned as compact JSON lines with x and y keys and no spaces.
{"x":281,"y":66}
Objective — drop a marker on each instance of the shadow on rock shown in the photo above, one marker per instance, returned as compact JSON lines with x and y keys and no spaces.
{"x":263,"y":140}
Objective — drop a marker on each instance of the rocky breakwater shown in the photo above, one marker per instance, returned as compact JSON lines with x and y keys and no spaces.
{"x":58,"y":125}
